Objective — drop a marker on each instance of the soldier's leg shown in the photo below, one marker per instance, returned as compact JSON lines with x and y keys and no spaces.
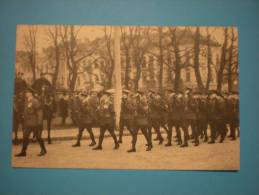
{"x":134,"y":139}
{"x":144,"y":130}
{"x":185,"y":126}
{"x":121,"y":131}
{"x":232,"y":130}
{"x":49,"y":120}
{"x":156,"y":126}
{"x":40,"y":141}
{"x":26,"y":135}
{"x":15,"y":130}
{"x":79,"y":136}
{"x":223,"y":131}
{"x":169,"y":134}
{"x":101,"y":136}
{"x":111,"y":131}
{"x":196,"y":132}
{"x":178,"y":132}
{"x":90,"y":131}
{"x":213,"y":130}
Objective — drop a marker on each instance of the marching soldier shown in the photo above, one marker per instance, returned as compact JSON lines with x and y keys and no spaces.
{"x":202,"y":116}
{"x":141,"y":121}
{"x":233,"y":111}
{"x":106,"y":119}
{"x":156,"y":114}
{"x":32,"y":121}
{"x":174,"y":117}
{"x":189,"y":118}
{"x":127,"y":114}
{"x":85,"y":119}
{"x":217,"y":107}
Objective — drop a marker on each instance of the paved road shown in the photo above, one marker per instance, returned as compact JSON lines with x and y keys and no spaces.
{"x":61,"y":155}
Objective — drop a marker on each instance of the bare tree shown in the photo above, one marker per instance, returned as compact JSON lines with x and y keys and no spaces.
{"x":231,"y":62}
{"x":126,"y":36}
{"x":209,"y":60}
{"x":222,"y":61}
{"x":196,"y":59}
{"x":175,"y":41}
{"x":141,"y":43}
{"x":73,"y":53}
{"x":53,"y":34}
{"x":30,"y":45}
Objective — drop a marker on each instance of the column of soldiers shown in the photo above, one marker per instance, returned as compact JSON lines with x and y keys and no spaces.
{"x":190,"y":114}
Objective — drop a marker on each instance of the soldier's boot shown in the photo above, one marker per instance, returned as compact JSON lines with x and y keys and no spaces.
{"x":117,"y":145}
{"x":212,"y":141}
{"x":179,"y":142}
{"x":133,"y":148}
{"x":93,"y":143}
{"x":196,"y":143}
{"x":205,"y":138}
{"x":184,"y":145}
{"x":92,"y":138}
{"x":223,"y":134}
{"x":149,"y":148}
{"x":186,"y":137}
{"x":77,"y":144}
{"x":120,"y":135}
{"x":98,"y":148}
{"x":21,"y":154}
{"x":42,"y":152}
{"x":169,"y":143}
{"x":49,"y":138}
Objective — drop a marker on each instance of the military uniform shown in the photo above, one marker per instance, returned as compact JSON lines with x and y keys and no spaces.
{"x":85,"y":120}
{"x":233,"y":115}
{"x":217,"y":119}
{"x":174,"y":118}
{"x":141,"y":122}
{"x":190,"y":109}
{"x":32,"y":121}
{"x":156,"y":115}
{"x":127,"y":116}
{"x":106,"y":120}
{"x":202,"y":117}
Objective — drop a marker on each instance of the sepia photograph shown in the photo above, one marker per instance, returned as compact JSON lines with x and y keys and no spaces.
{"x":126,"y":97}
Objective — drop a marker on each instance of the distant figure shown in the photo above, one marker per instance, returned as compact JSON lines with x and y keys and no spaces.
{"x":63,"y":108}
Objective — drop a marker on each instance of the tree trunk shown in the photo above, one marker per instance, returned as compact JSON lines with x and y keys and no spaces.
{"x":209,"y":62}
{"x":222,"y":61}
{"x":127,"y":68}
{"x":57,"y":60}
{"x":177,"y":78}
{"x":197,"y":60}
{"x":161,"y":59}
{"x":230,"y":61}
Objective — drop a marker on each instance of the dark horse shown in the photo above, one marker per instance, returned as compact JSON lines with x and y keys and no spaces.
{"x":46,"y":96}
